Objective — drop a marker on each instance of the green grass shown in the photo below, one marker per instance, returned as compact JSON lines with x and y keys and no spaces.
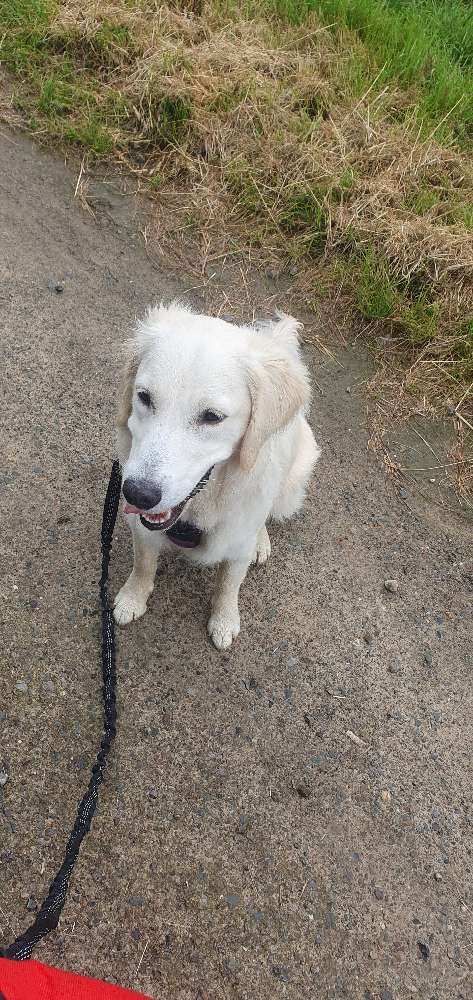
{"x":426,"y":45}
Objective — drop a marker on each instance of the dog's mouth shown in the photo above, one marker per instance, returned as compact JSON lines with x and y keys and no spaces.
{"x":166,"y":518}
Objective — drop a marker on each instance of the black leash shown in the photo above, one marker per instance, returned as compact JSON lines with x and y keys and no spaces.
{"x":48,"y":916}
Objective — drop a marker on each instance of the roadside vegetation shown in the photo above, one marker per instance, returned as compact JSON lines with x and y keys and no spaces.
{"x":331,"y":137}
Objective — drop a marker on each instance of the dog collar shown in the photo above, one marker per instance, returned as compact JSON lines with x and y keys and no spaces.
{"x":185,"y":535}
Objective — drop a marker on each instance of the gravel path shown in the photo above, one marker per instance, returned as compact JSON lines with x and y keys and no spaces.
{"x":293,"y":819}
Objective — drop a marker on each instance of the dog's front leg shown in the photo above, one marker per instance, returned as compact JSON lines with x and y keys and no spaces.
{"x":130,"y":602}
{"x":224,"y":622}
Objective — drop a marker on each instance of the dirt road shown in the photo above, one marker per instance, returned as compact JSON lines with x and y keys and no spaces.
{"x":291,"y":819}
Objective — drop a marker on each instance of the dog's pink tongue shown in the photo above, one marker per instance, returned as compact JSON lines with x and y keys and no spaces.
{"x":129,"y":509}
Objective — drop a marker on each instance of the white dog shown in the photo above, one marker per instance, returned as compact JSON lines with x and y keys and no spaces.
{"x":213,"y":441}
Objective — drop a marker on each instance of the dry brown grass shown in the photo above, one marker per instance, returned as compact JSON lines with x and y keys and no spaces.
{"x":277,"y":144}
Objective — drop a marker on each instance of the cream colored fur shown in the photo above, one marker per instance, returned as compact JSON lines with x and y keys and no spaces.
{"x":262,"y":453}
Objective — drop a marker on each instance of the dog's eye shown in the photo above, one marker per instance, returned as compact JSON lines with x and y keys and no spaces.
{"x":211,"y":417}
{"x":144,"y":397}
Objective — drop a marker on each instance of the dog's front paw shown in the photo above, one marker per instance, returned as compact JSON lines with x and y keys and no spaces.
{"x":263,"y":548}
{"x":223,"y":629}
{"x":129,"y":605}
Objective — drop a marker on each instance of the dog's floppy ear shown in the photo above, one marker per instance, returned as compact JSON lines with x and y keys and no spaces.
{"x":279,"y":387}
{"x":127,"y":384}
{"x":125,"y":398}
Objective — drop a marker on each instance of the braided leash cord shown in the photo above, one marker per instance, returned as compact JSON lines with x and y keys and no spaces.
{"x":48,"y":915}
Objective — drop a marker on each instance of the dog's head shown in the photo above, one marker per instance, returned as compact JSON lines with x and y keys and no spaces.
{"x":198,"y":391}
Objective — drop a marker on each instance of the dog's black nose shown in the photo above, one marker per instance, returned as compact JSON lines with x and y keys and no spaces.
{"x":141,"y":493}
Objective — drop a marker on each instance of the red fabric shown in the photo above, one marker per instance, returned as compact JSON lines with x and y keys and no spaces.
{"x":33,"y":981}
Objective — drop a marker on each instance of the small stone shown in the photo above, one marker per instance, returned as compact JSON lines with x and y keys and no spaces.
{"x":3,"y":778}
{"x":58,"y":287}
{"x":136,"y":901}
{"x":232,"y":901}
{"x":21,"y":686}
{"x":368,"y":637}
{"x":303,"y":790}
{"x":31,"y":904}
{"x":428,"y":657}
{"x":395,"y":667}
{"x":348,"y":390}
{"x":403,"y":493}
{"x":279,"y":972}
{"x":244,"y":824}
{"x":392,"y":586}
{"x":378,"y":893}
{"x":424,"y":951}
{"x":385,"y":796}
{"x":437,"y":877}
{"x":386,"y":995}
{"x":231,"y":965}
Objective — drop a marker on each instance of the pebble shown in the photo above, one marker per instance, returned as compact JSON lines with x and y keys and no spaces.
{"x":386,"y":995}
{"x":31,"y":904}
{"x":232,"y":965}
{"x":428,"y":657}
{"x":403,"y":493}
{"x":21,"y":686}
{"x":244,"y":824}
{"x":232,"y":901}
{"x":3,"y":778}
{"x":136,"y":901}
{"x":378,"y":893}
{"x":424,"y":950}
{"x":279,"y":972}
{"x":395,"y":666}
{"x":303,"y":790}
{"x":392,"y":586}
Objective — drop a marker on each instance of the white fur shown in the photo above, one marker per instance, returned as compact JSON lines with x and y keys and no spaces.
{"x":263,"y":453}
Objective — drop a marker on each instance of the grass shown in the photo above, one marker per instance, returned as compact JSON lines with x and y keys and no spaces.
{"x":334,"y":136}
